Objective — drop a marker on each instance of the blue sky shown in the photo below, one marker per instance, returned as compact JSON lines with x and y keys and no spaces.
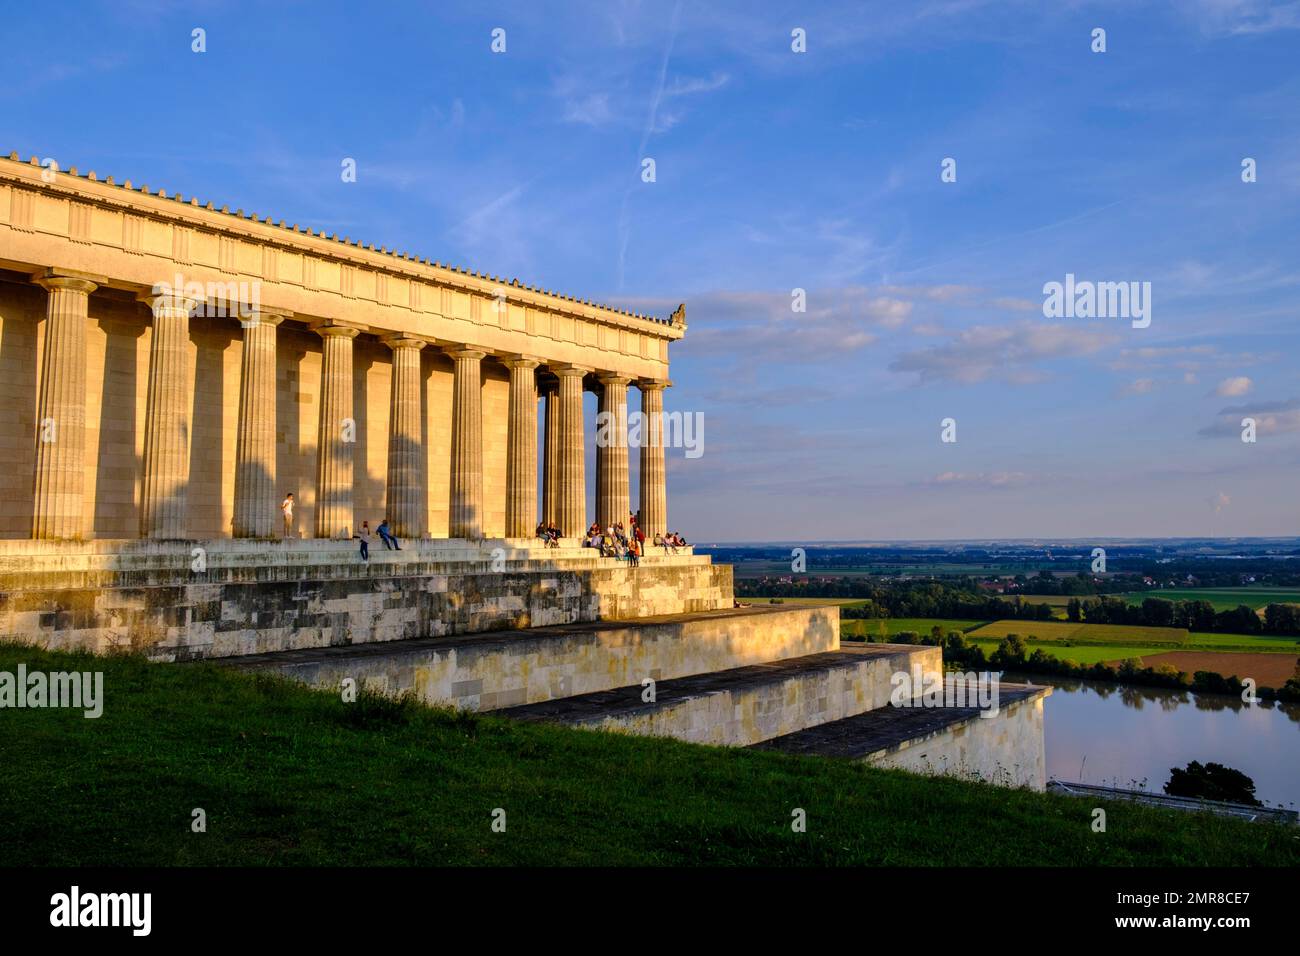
{"x":778,"y":171}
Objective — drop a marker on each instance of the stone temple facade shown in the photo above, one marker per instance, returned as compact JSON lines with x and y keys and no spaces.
{"x":183,"y":367}
{"x":169,"y":371}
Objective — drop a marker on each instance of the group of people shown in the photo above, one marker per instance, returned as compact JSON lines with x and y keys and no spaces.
{"x":385,"y":535}
{"x":612,"y":542}
{"x":670,"y":541}
{"x":616,"y":542}
{"x":363,"y":533}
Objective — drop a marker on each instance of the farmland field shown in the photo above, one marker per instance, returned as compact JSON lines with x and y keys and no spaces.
{"x":1268,"y":670}
{"x":1253,"y":642}
{"x":896,"y":625}
{"x":1223,"y":599}
{"x":842,"y":602}
{"x":1083,"y":633}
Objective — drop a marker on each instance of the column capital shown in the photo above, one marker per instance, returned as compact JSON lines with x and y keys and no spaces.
{"x":50,"y":279}
{"x":520,"y":361}
{"x":328,"y":328}
{"x":610,"y":378}
{"x":167,"y":300}
{"x":568,"y":370}
{"x":653,"y":384}
{"x":465,"y":352}
{"x":262,"y":318}
{"x":400,"y":340}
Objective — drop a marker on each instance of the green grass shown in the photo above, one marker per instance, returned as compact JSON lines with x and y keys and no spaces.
{"x":1223,"y":599}
{"x":289,"y":775}
{"x":871,"y":628}
{"x":842,"y":602}
{"x":1261,"y":643}
{"x":1084,"y":633}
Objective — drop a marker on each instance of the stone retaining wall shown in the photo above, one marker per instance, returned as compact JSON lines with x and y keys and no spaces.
{"x":491,"y":671}
{"x":181,"y":600}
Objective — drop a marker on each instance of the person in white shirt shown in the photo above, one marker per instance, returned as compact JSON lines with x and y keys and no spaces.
{"x":286,"y":508}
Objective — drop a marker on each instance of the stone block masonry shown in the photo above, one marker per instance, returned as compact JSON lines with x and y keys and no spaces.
{"x":504,"y":669}
{"x":256,"y":597}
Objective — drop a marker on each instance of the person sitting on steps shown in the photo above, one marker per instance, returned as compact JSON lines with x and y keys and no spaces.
{"x":386,"y":536}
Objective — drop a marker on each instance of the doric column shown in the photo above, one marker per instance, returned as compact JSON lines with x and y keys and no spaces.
{"x":164,"y":488}
{"x":521,"y":450}
{"x":551,"y":458}
{"x":611,"y":452}
{"x":60,"y":473}
{"x":255,"y":492}
{"x":571,"y":484}
{"x":406,"y":462}
{"x":336,"y":436}
{"x":467,"y":445}
{"x":654,"y":493}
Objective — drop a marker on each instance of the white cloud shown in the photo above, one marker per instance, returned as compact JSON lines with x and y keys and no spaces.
{"x":1140,"y":386}
{"x":1271,"y":418}
{"x":1005,"y":352}
{"x":1234,"y":387}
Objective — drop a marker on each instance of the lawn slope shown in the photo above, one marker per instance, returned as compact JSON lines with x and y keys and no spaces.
{"x":288,"y":775}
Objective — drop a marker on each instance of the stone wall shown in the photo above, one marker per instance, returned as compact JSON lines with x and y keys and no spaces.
{"x":1007,"y":750}
{"x":255,"y":596}
{"x":753,"y":704}
{"x":493,"y":671}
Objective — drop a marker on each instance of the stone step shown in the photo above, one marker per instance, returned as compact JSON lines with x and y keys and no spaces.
{"x":744,"y":705}
{"x":23,"y":560}
{"x":1005,"y":748}
{"x":508,"y":668}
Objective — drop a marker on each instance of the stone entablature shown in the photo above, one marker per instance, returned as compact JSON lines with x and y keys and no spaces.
{"x":135,"y":239}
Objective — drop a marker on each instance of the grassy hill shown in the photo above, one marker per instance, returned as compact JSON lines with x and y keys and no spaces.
{"x":289,"y":775}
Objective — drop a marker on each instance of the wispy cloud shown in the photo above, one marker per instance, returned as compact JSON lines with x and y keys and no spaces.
{"x":1007,"y":353}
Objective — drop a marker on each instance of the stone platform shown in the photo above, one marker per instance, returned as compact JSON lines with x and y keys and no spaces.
{"x":745,"y":705}
{"x":506,"y":668}
{"x":949,"y":741}
{"x":182,"y":600}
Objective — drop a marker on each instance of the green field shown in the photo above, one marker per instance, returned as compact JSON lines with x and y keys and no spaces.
{"x":842,"y":602}
{"x":872,"y":628}
{"x":1084,"y":633}
{"x":292,"y":776}
{"x":1223,"y":599}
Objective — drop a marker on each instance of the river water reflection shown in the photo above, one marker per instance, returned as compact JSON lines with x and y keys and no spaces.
{"x":1123,"y":736}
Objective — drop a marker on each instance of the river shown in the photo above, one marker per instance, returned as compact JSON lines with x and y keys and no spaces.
{"x":1125,"y":736}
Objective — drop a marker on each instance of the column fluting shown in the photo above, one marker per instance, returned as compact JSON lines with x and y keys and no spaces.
{"x":336,"y":433}
{"x":654,"y":492}
{"x":407,"y":508}
{"x":255,"y":492}
{"x":58,"y":508}
{"x":571,"y":487}
{"x":467,"y":445}
{"x":521,"y":452}
{"x":164,"y":489}
{"x":551,"y":457}
{"x":611,"y":452}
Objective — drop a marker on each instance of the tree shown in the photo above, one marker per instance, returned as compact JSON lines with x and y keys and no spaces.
{"x":1211,"y":781}
{"x":1074,"y":610}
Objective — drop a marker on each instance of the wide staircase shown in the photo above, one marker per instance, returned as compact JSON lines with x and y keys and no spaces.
{"x":770,"y":676}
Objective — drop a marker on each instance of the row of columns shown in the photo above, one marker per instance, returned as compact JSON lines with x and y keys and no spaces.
{"x":60,"y":452}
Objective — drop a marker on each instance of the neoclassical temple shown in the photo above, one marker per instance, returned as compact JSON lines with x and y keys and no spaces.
{"x":171,"y":370}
